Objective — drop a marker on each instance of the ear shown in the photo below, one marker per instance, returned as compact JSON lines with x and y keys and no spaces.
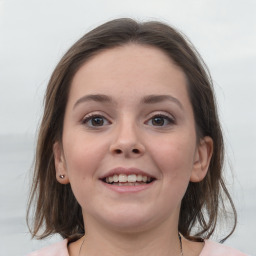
{"x":202,"y":159}
{"x":60,"y":164}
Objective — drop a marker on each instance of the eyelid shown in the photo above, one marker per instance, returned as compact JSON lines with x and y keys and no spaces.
{"x":161,"y":113}
{"x":95,"y":113}
{"x":90,"y":116}
{"x":165,"y":115}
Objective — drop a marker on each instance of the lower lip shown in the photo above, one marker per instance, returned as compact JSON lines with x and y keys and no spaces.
{"x":128,"y":189}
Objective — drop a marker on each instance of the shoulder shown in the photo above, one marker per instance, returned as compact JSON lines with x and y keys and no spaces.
{"x":56,"y":249}
{"x":215,"y":249}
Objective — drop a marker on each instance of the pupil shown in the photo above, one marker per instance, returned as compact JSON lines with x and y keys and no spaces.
{"x":158,"y":121}
{"x":97,"y":121}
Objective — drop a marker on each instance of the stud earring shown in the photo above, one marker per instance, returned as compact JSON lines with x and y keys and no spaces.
{"x":62,"y":176}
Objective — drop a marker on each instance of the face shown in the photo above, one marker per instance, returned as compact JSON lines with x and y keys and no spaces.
{"x":129,"y":146}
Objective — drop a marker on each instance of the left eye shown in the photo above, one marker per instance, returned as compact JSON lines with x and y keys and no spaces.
{"x":160,"y":120}
{"x":95,"y":121}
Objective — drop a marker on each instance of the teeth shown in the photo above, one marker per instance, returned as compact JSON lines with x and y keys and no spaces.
{"x":127,"y":184}
{"x":139,"y":177}
{"x":123,"y":178}
{"x":131,"y":179}
{"x":115,"y":178}
{"x":144,"y":178}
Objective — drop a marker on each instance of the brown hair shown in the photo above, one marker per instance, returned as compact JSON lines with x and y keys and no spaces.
{"x":202,"y":202}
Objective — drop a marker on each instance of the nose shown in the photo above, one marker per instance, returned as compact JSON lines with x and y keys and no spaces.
{"x":127,"y":142}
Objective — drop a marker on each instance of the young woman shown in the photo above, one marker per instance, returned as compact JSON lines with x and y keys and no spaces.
{"x":130,"y":150}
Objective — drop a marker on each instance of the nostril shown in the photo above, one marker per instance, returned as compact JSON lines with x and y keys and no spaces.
{"x":118,"y":151}
{"x":136,"y":151}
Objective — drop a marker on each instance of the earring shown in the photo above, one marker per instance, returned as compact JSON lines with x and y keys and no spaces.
{"x":62,"y":176}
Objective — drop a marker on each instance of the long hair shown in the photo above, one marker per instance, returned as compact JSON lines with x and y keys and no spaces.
{"x":202,"y":202}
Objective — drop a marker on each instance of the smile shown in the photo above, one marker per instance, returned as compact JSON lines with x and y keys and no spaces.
{"x":128,"y":180}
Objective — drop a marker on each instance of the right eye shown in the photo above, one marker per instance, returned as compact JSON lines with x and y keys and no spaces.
{"x":95,"y":121}
{"x":160,"y":120}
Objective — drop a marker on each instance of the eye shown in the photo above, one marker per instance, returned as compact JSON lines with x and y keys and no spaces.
{"x":160,"y":120}
{"x":95,"y":121}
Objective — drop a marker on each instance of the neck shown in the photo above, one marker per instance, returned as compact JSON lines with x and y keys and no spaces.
{"x":162,"y":240}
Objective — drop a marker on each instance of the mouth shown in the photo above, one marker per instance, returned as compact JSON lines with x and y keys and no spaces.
{"x":127,"y":180}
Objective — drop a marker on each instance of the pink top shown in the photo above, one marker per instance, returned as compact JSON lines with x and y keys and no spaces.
{"x":210,"y":249}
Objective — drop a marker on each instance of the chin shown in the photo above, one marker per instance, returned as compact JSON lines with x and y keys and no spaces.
{"x":131,"y":219}
{"x":129,"y":225}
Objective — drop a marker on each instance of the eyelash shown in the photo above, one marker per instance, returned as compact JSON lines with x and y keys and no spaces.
{"x":170,"y":120}
{"x":88,"y":119}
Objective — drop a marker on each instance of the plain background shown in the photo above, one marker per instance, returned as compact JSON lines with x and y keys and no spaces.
{"x":35,"y":34}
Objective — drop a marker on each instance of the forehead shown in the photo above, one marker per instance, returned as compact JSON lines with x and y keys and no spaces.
{"x":129,"y":70}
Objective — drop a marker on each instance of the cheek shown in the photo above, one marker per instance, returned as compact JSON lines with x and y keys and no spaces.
{"x":175,"y":157}
{"x":82,"y":155}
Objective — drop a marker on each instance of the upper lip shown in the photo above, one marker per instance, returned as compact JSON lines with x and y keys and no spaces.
{"x":127,"y":171}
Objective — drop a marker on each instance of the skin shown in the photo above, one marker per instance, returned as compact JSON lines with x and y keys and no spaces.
{"x":129,"y":135}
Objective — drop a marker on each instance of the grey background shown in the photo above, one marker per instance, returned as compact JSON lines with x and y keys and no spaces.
{"x":35,"y":34}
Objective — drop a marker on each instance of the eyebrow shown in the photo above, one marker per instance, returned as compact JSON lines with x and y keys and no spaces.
{"x":152,"y":99}
{"x":94,"y":97}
